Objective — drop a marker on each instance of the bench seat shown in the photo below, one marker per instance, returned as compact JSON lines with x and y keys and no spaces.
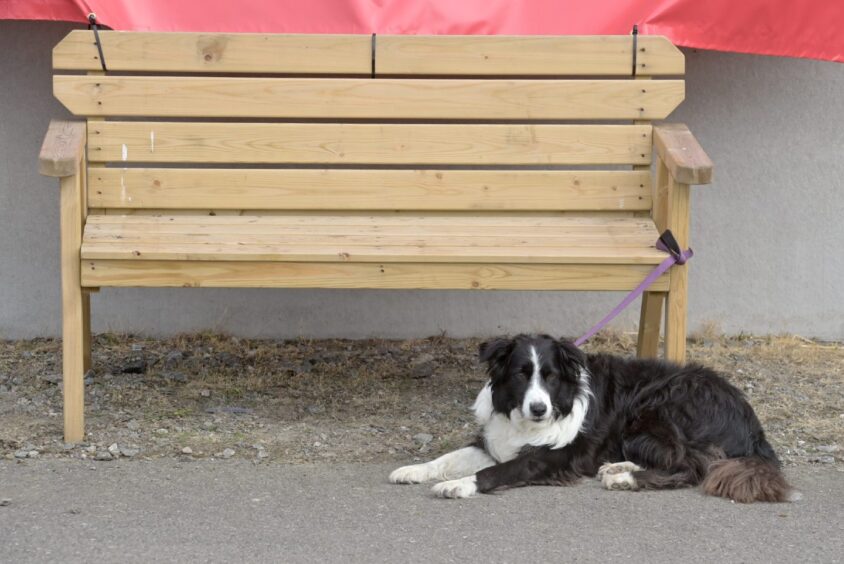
{"x":446,"y":238}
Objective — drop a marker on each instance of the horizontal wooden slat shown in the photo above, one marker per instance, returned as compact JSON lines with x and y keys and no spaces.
{"x":341,"y":98}
{"x":335,"y":144}
{"x":620,"y":241}
{"x":216,"y":52}
{"x":601,"y":55}
{"x":101,"y":273}
{"x":378,"y":220}
{"x":306,"y":189}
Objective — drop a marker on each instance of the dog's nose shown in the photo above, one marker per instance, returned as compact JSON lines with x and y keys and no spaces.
{"x":538,"y":409}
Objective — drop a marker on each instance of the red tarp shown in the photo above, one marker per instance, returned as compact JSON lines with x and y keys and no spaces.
{"x":794,"y":28}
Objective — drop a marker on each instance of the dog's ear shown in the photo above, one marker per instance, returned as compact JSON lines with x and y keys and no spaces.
{"x":572,"y":359}
{"x":495,"y":351}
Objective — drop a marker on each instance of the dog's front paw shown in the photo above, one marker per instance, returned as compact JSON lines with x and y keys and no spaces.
{"x":413,"y":474}
{"x":456,"y":489}
{"x":609,"y":468}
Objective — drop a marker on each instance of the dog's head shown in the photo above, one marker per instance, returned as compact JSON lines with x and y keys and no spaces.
{"x":534,"y":378}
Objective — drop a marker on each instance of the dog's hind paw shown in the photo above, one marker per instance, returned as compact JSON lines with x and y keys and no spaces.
{"x":456,"y":489}
{"x":413,"y":474}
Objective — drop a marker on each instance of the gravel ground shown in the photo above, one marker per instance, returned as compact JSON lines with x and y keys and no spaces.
{"x":213,"y":396}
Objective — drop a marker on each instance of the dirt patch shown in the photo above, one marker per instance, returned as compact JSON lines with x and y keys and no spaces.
{"x":306,"y":401}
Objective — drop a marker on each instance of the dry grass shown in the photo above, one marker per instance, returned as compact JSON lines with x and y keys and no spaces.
{"x":357,"y":400}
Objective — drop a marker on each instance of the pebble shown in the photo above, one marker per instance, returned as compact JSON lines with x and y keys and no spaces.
{"x":205,"y":393}
{"x":161,"y":431}
{"x":103,"y":455}
{"x":176,"y":376}
{"x":173,"y":358}
{"x":52,"y":378}
{"x":91,"y":448}
{"x":187,"y":450}
{"x":133,"y":425}
{"x":129,"y":452}
{"x":114,"y":450}
{"x":263,"y":454}
{"x":422,"y":366}
{"x":137,"y":347}
{"x":423,"y":438}
{"x":826,"y":459}
{"x":315,"y":409}
{"x":828,"y":448}
{"x":228,"y":453}
{"x":33,"y":454}
{"x":21,"y":454}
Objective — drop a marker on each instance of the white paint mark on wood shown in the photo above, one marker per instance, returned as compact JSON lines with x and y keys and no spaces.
{"x":152,"y":141}
{"x":125,"y":152}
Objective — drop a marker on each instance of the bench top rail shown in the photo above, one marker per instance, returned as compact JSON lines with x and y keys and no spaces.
{"x":352,"y":54}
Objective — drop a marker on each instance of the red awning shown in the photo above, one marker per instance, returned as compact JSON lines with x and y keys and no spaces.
{"x":795,"y":28}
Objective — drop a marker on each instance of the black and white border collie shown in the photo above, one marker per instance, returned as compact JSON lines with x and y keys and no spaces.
{"x":551,"y":414}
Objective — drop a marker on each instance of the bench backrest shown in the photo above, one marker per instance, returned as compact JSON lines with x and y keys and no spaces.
{"x":233,"y":123}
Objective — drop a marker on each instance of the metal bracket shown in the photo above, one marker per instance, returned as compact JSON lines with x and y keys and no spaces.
{"x":635,"y":47}
{"x":373,"y":55}
{"x":92,"y":25}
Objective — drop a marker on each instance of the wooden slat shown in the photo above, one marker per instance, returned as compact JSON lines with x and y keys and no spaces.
{"x":573,"y":229}
{"x":366,"y":275}
{"x":217,"y":52}
{"x":621,"y":241}
{"x":378,"y":220}
{"x":306,"y":189}
{"x":365,"y":98}
{"x":607,"y":55}
{"x":422,"y":144}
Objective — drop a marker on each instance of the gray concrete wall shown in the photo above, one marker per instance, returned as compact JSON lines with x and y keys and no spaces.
{"x":768,"y":233}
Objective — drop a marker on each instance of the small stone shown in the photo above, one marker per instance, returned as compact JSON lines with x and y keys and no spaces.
{"x":315,"y":409}
{"x":5,"y":501}
{"x":161,"y":432}
{"x":103,"y":455}
{"x":114,"y":449}
{"x":52,"y":378}
{"x":173,"y":358}
{"x":228,"y":453}
{"x":134,"y":365}
{"x":263,"y":454}
{"x":20,"y":454}
{"x":187,"y":450}
{"x":423,"y":438}
{"x":137,"y":347}
{"x":205,"y":393}
{"x":176,"y":376}
{"x":129,"y":452}
{"x":422,"y":366}
{"x":825,"y":459}
{"x":33,"y":454}
{"x":317,"y":444}
{"x":133,"y":425}
{"x":828,"y":448}
{"x":91,"y":448}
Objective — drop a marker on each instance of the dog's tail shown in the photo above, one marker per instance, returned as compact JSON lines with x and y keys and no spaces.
{"x":750,"y":478}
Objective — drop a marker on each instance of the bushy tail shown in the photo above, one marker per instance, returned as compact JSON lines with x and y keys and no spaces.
{"x":748,"y":479}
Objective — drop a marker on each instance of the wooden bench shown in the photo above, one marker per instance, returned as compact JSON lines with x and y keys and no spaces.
{"x":293,"y":161}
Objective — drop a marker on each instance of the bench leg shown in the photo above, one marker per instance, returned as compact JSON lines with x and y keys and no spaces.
{"x":74,"y":311}
{"x":675,"y":315}
{"x":650,"y":320}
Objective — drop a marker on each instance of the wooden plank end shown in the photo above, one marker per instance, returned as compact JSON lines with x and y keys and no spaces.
{"x":62,"y":149}
{"x":682,"y":154}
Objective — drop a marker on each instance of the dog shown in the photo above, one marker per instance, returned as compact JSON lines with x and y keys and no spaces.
{"x":551,"y":414}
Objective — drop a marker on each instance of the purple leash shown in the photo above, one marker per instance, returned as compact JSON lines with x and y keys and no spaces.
{"x":666,"y":243}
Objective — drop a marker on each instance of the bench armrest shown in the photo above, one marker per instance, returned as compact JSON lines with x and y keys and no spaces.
{"x":682,"y":154}
{"x":63,"y":147}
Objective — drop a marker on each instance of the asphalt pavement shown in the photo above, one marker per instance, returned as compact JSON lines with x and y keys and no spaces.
{"x":237,"y":511}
